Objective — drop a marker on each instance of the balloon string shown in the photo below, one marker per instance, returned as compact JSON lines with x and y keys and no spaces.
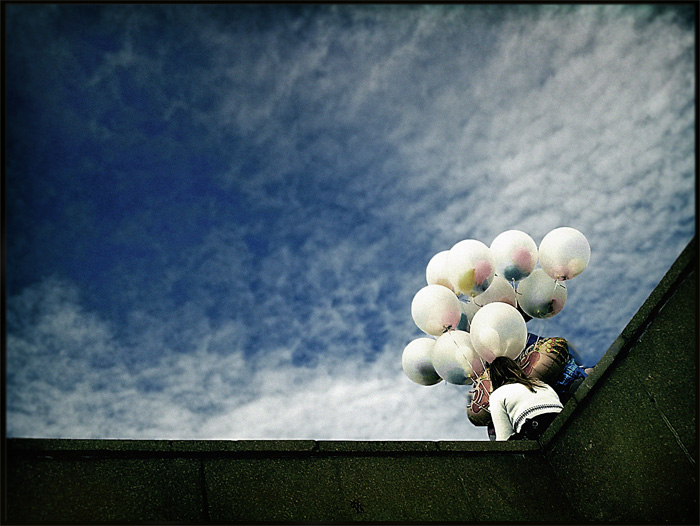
{"x":560,"y":283}
{"x":517,"y":303}
{"x":465,"y":357}
{"x":453,"y":338}
{"x":483,"y":367}
{"x":539,"y":329}
{"x":481,"y":360}
{"x":483,"y":363}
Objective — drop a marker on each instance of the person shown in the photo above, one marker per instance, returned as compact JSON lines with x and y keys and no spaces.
{"x":572,"y":374}
{"x":565,"y":383}
{"x":521,"y":407}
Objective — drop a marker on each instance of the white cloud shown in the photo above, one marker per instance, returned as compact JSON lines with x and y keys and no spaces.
{"x":209,"y":394}
{"x":358,"y":150}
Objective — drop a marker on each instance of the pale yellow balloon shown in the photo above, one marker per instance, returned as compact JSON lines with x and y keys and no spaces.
{"x":466,"y":282}
{"x":470,"y":267}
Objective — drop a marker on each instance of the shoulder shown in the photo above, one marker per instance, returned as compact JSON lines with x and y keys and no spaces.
{"x":515,"y":386}
{"x":505,"y":390}
{"x":544,"y":387}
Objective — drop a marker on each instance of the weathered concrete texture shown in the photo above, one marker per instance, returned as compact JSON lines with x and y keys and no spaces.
{"x":272,"y":489}
{"x":663,"y":357}
{"x":624,"y":449}
{"x":88,"y":489}
{"x":462,"y":488}
{"x":632,"y":433}
{"x":278,"y":482}
{"x":503,"y":488}
{"x":338,"y":488}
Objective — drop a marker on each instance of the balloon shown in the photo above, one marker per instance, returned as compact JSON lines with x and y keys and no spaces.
{"x":466,"y":355}
{"x":498,"y":329}
{"x":564,"y":253}
{"x":470,"y":267}
{"x":515,"y":255}
{"x":469,"y":308}
{"x":444,"y":358}
{"x":478,"y":406}
{"x":540,"y":296}
{"x":463,"y":324}
{"x":417,"y":364}
{"x":545,"y":360}
{"x":435,"y":309}
{"x":436,"y":271}
{"x":499,"y":290}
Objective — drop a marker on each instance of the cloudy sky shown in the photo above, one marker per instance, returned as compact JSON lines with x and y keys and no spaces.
{"x":217,"y":216}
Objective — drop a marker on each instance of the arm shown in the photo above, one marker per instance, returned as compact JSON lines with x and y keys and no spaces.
{"x":500,"y":418}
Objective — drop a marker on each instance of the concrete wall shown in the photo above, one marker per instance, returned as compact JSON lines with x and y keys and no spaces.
{"x":630,"y":439}
{"x":199,"y":481}
{"x":623,"y":450}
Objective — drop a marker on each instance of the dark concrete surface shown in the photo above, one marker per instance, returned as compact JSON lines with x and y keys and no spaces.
{"x":84,"y":489}
{"x":327,"y":481}
{"x":624,"y":450}
{"x":633,"y":430}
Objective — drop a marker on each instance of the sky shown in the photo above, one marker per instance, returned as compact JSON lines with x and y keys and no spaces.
{"x":217,"y":215}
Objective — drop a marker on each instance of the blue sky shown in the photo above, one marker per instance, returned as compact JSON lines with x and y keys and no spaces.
{"x":217,"y":216}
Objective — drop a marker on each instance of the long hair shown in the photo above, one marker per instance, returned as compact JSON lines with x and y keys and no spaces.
{"x":504,"y":370}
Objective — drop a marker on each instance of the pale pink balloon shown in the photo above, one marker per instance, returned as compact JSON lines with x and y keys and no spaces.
{"x":435,"y":308}
{"x":561,"y":272}
{"x":482,"y":271}
{"x":451,"y":318}
{"x":557,"y":306}
{"x":559,"y":248}
{"x":477,"y":365}
{"x":515,"y":254}
{"x":522,"y":257}
{"x":487,"y":354}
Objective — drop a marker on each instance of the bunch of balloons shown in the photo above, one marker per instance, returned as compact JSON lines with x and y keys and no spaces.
{"x":472,"y":308}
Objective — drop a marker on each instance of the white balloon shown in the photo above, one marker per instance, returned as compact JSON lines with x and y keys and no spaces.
{"x":498,"y":329}
{"x":499,"y":290}
{"x":435,"y":309}
{"x":564,"y":253}
{"x":465,"y":353}
{"x":445,"y":359}
{"x":470,"y":267}
{"x":540,"y":296}
{"x":469,"y":309}
{"x":436,"y":271}
{"x":515,"y":255}
{"x":417,"y":364}
{"x":468,"y":358}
